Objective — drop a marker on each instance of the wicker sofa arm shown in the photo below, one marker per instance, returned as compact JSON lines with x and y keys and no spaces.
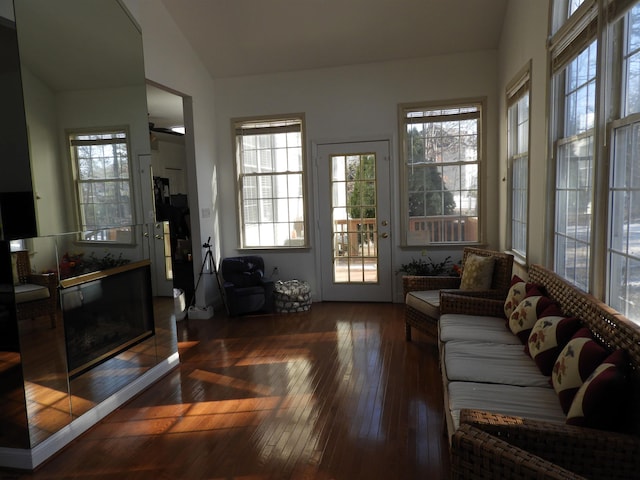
{"x":476,"y":454}
{"x":470,"y":303}
{"x":411,"y":283}
{"x":596,"y":454}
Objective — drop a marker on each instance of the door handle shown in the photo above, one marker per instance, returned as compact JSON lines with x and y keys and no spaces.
{"x":158,"y":237}
{"x":384,"y":223}
{"x":384,"y":235}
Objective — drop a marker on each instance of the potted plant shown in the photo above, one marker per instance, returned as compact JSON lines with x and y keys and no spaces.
{"x":429,"y":275}
{"x":423,"y":268}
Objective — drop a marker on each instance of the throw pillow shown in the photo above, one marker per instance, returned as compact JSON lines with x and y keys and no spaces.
{"x":517,"y":291}
{"x":577,"y":360}
{"x":548,"y":337}
{"x":528,"y":311}
{"x":600,"y":401}
{"x":477,"y":273}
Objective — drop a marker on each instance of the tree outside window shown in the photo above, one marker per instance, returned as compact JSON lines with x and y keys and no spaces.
{"x":441,"y":164}
{"x":103,"y":185}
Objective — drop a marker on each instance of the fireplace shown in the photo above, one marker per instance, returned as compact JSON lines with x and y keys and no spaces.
{"x":105,"y":313}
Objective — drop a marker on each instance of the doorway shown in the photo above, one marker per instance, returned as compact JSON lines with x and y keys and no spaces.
{"x":171,"y":238}
{"x":355,"y":224}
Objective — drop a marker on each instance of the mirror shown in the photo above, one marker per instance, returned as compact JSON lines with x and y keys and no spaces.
{"x":17,"y":217}
{"x":81,"y":70}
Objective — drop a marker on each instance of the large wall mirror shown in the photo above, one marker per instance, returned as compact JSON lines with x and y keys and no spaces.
{"x":82,"y":71}
{"x":82,"y":76}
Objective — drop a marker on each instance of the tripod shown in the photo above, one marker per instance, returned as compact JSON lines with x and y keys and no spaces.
{"x":208,"y":260}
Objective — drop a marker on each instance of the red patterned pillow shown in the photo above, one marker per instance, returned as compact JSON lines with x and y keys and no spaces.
{"x":516,"y":294}
{"x":600,"y":401}
{"x":526,"y":314}
{"x":578,"y":359}
{"x":548,"y":337}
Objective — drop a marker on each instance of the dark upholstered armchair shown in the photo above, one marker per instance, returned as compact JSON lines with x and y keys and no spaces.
{"x":246,"y":288}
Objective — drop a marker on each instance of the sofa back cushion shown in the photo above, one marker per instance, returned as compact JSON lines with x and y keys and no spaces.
{"x":548,"y":337}
{"x":577,"y":360}
{"x":517,"y":292}
{"x":601,"y":400}
{"x":528,"y":311}
{"x":244,"y":271}
{"x":477,"y":273}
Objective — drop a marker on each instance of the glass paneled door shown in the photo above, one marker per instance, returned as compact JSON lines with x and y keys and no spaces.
{"x":355,"y":226}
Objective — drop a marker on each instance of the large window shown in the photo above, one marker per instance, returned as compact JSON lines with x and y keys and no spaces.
{"x":103,"y":185}
{"x":271,"y":182}
{"x":518,"y":161}
{"x":624,"y":190}
{"x":442,"y":155}
{"x":575,"y":108}
{"x":595,"y":58}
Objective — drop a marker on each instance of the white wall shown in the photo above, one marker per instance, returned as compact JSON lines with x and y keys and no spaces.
{"x":168,"y":160}
{"x":48,"y":169}
{"x":524,"y":38}
{"x":352,"y":103}
{"x":170,"y":62}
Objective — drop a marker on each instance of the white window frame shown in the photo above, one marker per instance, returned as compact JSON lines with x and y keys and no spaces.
{"x":518,"y":135}
{"x":443,"y":229}
{"x":271,"y":180}
{"x":623,"y":242}
{"x":612,"y":252}
{"x":119,"y":228}
{"x":573,"y":137}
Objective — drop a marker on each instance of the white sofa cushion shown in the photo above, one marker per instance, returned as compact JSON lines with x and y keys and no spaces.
{"x":468,"y":361}
{"x":454,"y":326}
{"x":425,"y":301}
{"x":528,"y":402}
{"x":28,"y":292}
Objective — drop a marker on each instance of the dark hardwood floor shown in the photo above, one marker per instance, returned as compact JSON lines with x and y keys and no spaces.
{"x":333,"y":393}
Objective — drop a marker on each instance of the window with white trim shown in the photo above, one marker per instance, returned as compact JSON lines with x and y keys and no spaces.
{"x":518,"y":162}
{"x":270,"y":168}
{"x":575,"y":167}
{"x":441,"y":157}
{"x":103,"y":185}
{"x":595,"y":58}
{"x":623,"y":270}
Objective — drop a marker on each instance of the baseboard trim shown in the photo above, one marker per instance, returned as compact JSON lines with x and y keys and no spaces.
{"x":29,"y":459}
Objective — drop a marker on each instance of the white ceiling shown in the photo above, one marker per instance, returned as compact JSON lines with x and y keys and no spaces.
{"x":245,"y":37}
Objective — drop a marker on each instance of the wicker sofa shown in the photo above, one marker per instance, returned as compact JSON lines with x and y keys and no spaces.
{"x":422,"y":293}
{"x":490,"y":440}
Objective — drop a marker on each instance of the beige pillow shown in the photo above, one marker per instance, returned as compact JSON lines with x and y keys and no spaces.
{"x":477,"y":273}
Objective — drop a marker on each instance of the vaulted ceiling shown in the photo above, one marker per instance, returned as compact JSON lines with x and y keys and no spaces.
{"x":246,"y":37}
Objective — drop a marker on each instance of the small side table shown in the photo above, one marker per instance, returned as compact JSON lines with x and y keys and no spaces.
{"x":292,"y":296}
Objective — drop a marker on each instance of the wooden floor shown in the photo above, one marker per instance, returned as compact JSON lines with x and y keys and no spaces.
{"x":333,"y":393}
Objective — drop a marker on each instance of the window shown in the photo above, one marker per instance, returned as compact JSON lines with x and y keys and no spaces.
{"x":17,"y":245}
{"x":103,"y":185}
{"x":574,"y":168}
{"x":518,"y":161}
{"x":563,"y":10}
{"x":595,"y":58}
{"x":441,"y":158}
{"x":624,"y":185}
{"x":271,"y":182}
